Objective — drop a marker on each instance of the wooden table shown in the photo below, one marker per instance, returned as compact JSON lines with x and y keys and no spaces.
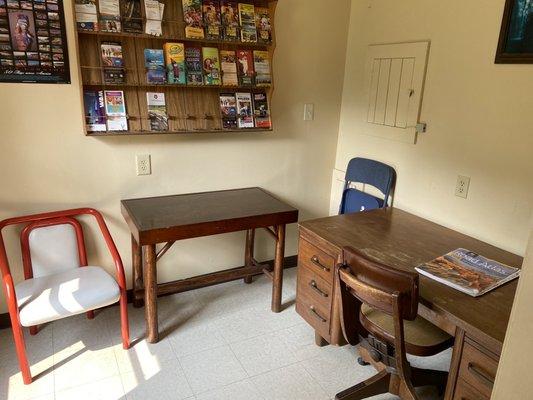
{"x":166,"y":219}
{"x":403,"y":240}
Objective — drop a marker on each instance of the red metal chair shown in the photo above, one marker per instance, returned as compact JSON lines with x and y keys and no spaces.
{"x":55,"y":287}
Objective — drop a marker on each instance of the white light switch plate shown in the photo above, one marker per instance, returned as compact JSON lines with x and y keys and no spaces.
{"x":143,"y":164}
{"x":309,"y":112}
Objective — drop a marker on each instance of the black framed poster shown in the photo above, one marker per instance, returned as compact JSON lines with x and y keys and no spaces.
{"x":516,"y":37}
{"x":33,"y":42}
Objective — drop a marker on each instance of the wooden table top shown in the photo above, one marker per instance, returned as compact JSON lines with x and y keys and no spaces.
{"x":166,"y":218}
{"x":404,"y":241}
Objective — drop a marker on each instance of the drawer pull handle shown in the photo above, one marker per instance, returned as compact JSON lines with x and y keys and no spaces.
{"x":314,"y":286}
{"x":481,"y":375}
{"x":317,"y":315}
{"x":317,"y":262}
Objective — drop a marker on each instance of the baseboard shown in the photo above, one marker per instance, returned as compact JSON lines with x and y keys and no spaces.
{"x":290,"y":262}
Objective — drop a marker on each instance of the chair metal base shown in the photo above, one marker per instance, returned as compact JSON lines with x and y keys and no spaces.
{"x":387,"y":381}
{"x":378,"y":384}
{"x":362,"y":362}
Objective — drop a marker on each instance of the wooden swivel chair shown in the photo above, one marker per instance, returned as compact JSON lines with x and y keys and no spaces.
{"x":379,"y":307}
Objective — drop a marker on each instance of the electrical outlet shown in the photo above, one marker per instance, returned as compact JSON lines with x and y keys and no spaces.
{"x":461,"y":189}
{"x":309,"y":112}
{"x":144,"y":166}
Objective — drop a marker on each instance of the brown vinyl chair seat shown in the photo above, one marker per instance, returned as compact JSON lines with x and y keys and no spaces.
{"x":422,"y":338}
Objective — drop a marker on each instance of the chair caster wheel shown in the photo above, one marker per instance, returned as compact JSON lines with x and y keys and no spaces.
{"x":362,"y":362}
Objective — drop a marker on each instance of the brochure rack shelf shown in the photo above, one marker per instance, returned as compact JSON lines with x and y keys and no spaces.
{"x":191,"y":109}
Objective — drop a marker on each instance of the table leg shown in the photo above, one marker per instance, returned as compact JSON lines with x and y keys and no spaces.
{"x":136,"y":261}
{"x":277,"y":285}
{"x":150,"y":293}
{"x":249,"y":252}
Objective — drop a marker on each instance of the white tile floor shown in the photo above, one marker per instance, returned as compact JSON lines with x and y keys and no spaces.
{"x":217,"y":343}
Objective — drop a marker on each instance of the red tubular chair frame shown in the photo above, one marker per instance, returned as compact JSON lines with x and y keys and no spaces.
{"x":48,"y":219}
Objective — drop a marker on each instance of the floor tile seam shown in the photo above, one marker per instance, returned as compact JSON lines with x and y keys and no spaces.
{"x":312,"y":377}
{"x":118,"y":375}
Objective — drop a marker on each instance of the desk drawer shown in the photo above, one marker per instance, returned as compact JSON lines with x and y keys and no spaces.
{"x":310,"y":286}
{"x":315,"y":316}
{"x":478,"y":368}
{"x":313,"y":309}
{"x":316,"y":260}
{"x":466,"y":392}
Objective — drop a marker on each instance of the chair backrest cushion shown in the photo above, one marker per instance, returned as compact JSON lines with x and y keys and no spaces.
{"x":374,"y":283}
{"x":371,"y":172}
{"x":53,"y":249}
{"x":355,"y":201}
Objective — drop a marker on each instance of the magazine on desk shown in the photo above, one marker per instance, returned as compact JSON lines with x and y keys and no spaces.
{"x":468,"y":272}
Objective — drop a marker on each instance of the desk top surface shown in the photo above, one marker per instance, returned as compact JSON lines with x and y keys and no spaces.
{"x":207,"y":213}
{"x":403,"y":240}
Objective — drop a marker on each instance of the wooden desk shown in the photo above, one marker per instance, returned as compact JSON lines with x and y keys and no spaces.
{"x":404,"y":241}
{"x":167,"y":219}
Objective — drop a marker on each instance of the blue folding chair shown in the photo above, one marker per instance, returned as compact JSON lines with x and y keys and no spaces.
{"x":375,"y":173}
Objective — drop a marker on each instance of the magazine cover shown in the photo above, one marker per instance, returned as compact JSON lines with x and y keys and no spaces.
{"x":261,"y":112}
{"x":263,"y":24}
{"x":192,"y":14}
{"x":248,"y":34}
{"x":154,"y":58}
{"x":468,"y":272}
{"x":109,"y":23}
{"x":109,"y":16}
{"x":263,"y":76}
{"x":211,"y":9}
{"x":157,"y":111}
{"x":115,"y":76}
{"x":228,"y":63}
{"x":175,"y":62}
{"x":247,"y":22}
{"x":154,"y":62}
{"x":228,"y":110}
{"x":246,"y":14}
{"x":114,"y":103}
{"x":87,"y":22}
{"x":245,"y":67}
{"x":230,"y":19}
{"x":153,"y":12}
{"x":115,"y":108}
{"x":244,"y":110}
{"x":132,"y":20}
{"x":211,"y":65}
{"x":112,"y":54}
{"x":193,"y":64}
{"x":86,"y":15}
{"x":95,"y":117}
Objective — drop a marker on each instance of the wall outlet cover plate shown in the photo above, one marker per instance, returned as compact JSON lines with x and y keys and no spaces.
{"x":462,"y":186}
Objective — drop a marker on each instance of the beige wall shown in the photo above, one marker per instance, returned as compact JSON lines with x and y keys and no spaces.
{"x":513,"y":381}
{"x":478,"y":113}
{"x":48,"y":164}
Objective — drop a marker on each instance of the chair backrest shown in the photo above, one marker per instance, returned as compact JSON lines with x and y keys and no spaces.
{"x":368,"y":172}
{"x":380,"y":286}
{"x":52,"y":246}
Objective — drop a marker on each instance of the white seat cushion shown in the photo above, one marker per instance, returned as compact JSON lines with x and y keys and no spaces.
{"x":63,"y":294}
